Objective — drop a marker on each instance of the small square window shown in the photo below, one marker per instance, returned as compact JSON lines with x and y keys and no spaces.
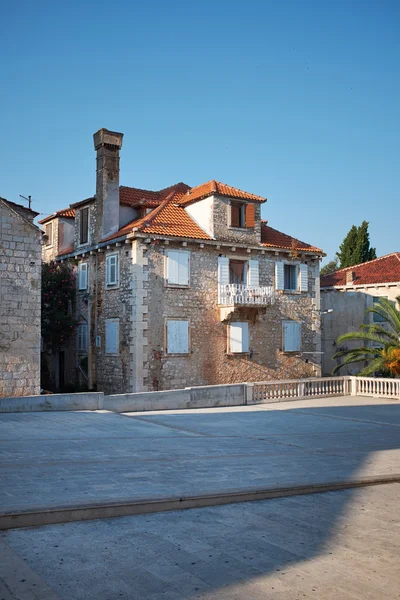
{"x":290,"y":277}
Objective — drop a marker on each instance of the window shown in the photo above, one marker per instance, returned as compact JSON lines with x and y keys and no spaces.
{"x":84,"y":226}
{"x":112,"y":336}
{"x":377,"y":318}
{"x":290,"y":277}
{"x":49,"y":234}
{"x":83,"y":276}
{"x":112,"y":275}
{"x":177,"y":267}
{"x":177,"y":336}
{"x":291,"y":336}
{"x":242,"y":215}
{"x":237,"y":271}
{"x":238,"y":337}
{"x":82,"y":337}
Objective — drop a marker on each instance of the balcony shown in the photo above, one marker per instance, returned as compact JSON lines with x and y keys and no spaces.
{"x":231,"y":295}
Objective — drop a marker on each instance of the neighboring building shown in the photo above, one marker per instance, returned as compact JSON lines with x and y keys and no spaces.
{"x":20,"y":300}
{"x":186,"y":286}
{"x":349,"y":292}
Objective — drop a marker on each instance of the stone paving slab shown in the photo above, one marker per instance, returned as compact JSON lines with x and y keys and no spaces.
{"x":49,"y":460}
{"x":337,"y":545}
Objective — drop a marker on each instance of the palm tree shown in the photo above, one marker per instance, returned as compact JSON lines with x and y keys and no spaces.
{"x":383,"y":358}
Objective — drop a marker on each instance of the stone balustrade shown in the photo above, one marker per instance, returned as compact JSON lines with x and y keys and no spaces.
{"x":232,"y":294}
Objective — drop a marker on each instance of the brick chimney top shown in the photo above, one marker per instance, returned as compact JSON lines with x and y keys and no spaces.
{"x":350,"y":277}
{"x":109,"y":139}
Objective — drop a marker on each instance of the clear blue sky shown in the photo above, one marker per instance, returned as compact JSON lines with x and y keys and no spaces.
{"x":295,"y":100}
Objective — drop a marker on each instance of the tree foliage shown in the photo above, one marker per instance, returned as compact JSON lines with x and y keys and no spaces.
{"x":355,"y":248}
{"x":330,"y":267}
{"x":383,"y":357}
{"x":58,"y":297}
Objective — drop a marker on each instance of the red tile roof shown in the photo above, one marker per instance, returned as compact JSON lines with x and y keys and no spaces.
{"x":272,"y":238}
{"x":221,"y":189}
{"x":135,"y":197}
{"x":67,"y":213}
{"x":385,"y":269}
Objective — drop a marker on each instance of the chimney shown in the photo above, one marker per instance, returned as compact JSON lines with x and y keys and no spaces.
{"x":107,"y":145}
{"x":350,"y":277}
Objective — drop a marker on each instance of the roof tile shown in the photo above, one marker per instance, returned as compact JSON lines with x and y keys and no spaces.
{"x":272,"y":238}
{"x":221,"y":189}
{"x":385,"y":269}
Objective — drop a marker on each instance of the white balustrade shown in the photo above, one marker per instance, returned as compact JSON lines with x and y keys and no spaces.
{"x":231,"y":294}
{"x":377,"y":387}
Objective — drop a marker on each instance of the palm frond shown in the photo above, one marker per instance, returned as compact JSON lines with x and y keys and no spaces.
{"x":360,"y":335}
{"x":373,"y":367}
{"x":388,"y":311}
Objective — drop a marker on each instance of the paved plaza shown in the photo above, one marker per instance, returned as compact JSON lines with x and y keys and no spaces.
{"x":58,"y":459}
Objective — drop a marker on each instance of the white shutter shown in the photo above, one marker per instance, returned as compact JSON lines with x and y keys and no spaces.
{"x":238,"y":337}
{"x":112,"y":269}
{"x":177,"y":267}
{"x":303,"y":278}
{"x":279,"y":276}
{"x":223,"y":270}
{"x":83,"y":276}
{"x":112,"y":336}
{"x":184,"y":267}
{"x":291,"y":336}
{"x":82,"y":337}
{"x":254,"y":276}
{"x":177,"y":336}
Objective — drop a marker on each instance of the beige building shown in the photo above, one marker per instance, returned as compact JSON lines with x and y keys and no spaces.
{"x":349,"y":292}
{"x":185,"y":286}
{"x":20,"y":300}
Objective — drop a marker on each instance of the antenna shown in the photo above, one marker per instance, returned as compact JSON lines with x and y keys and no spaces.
{"x":28,"y":199}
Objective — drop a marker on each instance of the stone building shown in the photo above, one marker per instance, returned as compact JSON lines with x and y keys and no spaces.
{"x":20,"y":300}
{"x":186,"y":286}
{"x":349,"y":292}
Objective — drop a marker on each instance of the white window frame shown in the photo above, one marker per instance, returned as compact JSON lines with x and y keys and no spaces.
{"x":167,"y":352}
{"x":186,"y":253}
{"x":79,"y":228}
{"x":80,"y":270}
{"x":298,"y":323}
{"x":50,"y":240}
{"x":82,"y":348}
{"x":238,"y":325}
{"x":112,"y":285}
{"x":107,"y":352}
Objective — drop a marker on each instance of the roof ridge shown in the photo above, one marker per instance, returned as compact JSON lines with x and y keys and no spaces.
{"x":368,"y":262}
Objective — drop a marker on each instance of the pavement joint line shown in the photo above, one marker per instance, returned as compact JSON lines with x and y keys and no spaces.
{"x":174,"y":427}
{"x":91,"y":511}
{"x":301,"y":410}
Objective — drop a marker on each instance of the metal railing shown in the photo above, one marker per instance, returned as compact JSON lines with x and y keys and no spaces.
{"x":231,"y":294}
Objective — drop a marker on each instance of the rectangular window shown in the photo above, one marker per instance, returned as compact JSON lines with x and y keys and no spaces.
{"x":82,"y":337}
{"x":112,"y":336}
{"x":83,"y":276}
{"x":177,"y":336}
{"x":112,"y":274}
{"x":291,"y":336}
{"x":377,"y":318}
{"x":49,"y":234}
{"x":238,"y":337}
{"x":84,"y":226}
{"x":237,"y":271}
{"x":237,"y":214}
{"x":290,"y":277}
{"x":177,"y":267}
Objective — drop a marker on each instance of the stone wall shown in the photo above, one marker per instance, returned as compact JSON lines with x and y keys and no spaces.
{"x":20,"y":300}
{"x":222,"y":232}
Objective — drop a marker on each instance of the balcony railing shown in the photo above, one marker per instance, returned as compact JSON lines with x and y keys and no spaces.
{"x":232,"y":294}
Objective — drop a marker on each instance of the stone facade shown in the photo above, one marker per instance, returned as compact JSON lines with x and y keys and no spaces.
{"x":20,"y":301}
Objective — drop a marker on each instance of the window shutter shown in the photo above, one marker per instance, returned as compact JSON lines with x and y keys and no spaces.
{"x":254,"y":277}
{"x":112,"y":336}
{"x":238,"y":337}
{"x":250,"y":215}
{"x":83,"y":276}
{"x":279,"y":276}
{"x":177,"y":267}
{"x":84,"y":225}
{"x":291,"y":336}
{"x":112,"y":270}
{"x":223,"y":270}
{"x":177,"y":336}
{"x":183,"y":268}
{"x":82,"y":337}
{"x":303,"y":278}
{"x":235,"y":215}
{"x":172,"y":267}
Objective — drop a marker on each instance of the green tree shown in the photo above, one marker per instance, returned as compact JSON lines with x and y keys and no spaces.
{"x":384,"y":356}
{"x":58,"y":296}
{"x":355,"y":248}
{"x":330,"y":267}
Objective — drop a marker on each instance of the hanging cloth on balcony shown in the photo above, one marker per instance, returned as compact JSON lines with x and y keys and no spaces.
{"x":236,"y":271}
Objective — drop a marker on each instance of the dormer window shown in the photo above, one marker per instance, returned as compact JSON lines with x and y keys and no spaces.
{"x":84,"y":226}
{"x":241,"y":215}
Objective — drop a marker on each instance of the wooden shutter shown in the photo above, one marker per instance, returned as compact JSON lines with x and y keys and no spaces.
{"x":279,"y":276}
{"x":235,"y":214}
{"x":250,"y":215}
{"x":303,"y":278}
{"x":112,"y":336}
{"x":83,"y":276}
{"x":84,"y":225}
{"x":291,"y":336}
{"x":253,"y":278}
{"x":177,"y":336}
{"x":177,"y":267}
{"x":238,"y":337}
